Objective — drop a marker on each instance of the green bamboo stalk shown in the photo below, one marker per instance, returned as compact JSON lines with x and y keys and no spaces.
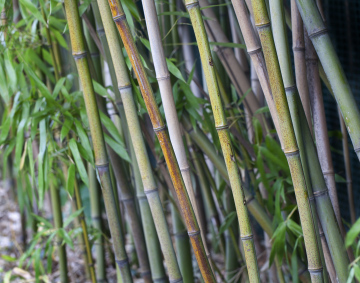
{"x":283,"y":51}
{"x":226,"y":55}
{"x":139,"y":146}
{"x":223,"y":132}
{"x":161,"y":132}
{"x":315,"y":179}
{"x":152,"y":242}
{"x":163,"y":78}
{"x":58,"y":223}
{"x":119,"y":170}
{"x":254,"y":50}
{"x":97,"y":223}
{"x":321,"y":40}
{"x":101,"y":160}
{"x":291,"y":150}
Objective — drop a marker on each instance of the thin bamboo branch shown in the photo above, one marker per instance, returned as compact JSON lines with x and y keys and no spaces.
{"x":101,"y":160}
{"x":321,"y":40}
{"x":347,"y":168}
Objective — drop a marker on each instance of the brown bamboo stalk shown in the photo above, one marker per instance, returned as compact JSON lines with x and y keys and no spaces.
{"x":299,"y":60}
{"x":320,"y":127}
{"x":162,"y":134}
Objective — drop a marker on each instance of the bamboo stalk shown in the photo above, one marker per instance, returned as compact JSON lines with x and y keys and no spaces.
{"x":97,"y":223}
{"x":101,"y":160}
{"x":119,"y":169}
{"x":231,"y":65}
{"x":291,"y":150}
{"x":254,"y":50}
{"x":223,"y":132}
{"x":347,"y":168}
{"x":58,"y":223}
{"x":161,"y":132}
{"x":139,"y":146}
{"x":321,"y":40}
{"x":299,"y":60}
{"x":320,"y":127}
{"x":163,"y":78}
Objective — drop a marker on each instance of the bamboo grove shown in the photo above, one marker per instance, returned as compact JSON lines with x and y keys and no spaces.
{"x":174,"y":141}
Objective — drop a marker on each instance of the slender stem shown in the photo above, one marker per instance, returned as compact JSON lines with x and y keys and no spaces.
{"x":163,"y":78}
{"x":321,"y":40}
{"x":347,"y":169}
{"x":101,"y":160}
{"x":223,"y":132}
{"x":161,"y":132}
{"x":291,"y":150}
{"x":148,"y":181}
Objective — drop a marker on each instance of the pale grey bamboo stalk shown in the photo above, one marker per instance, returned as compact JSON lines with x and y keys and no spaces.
{"x":254,"y":50}
{"x":187,"y":50}
{"x":320,"y":127}
{"x":299,"y":60}
{"x":149,"y":183}
{"x":163,"y":78}
{"x":347,"y":168}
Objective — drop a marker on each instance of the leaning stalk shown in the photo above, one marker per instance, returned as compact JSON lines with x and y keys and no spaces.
{"x":224,"y":136}
{"x":291,"y":150}
{"x":101,"y":160}
{"x":148,"y":181}
{"x":163,"y":78}
{"x":321,"y":40}
{"x":161,"y":132}
{"x":254,"y":50}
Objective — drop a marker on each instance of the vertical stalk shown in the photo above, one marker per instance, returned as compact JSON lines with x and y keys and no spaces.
{"x":320,"y":127}
{"x":163,"y":78}
{"x":291,"y":150}
{"x":321,"y":40}
{"x":347,"y":168}
{"x":101,"y":160}
{"x":299,"y":60}
{"x":254,"y":50}
{"x":143,"y":162}
{"x":224,"y":136}
{"x":58,"y":223}
{"x":97,"y":223}
{"x":226,"y":55}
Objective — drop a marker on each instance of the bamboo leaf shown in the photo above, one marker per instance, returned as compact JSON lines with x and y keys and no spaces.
{"x":70,"y":180}
{"x":79,"y":163}
{"x":42,"y":220}
{"x":278,"y":246}
{"x":352,"y":234}
{"x":294,"y":227}
{"x":33,"y":10}
{"x":99,"y":89}
{"x":109,"y":125}
{"x":60,"y":39}
{"x":5,"y":128}
{"x":65,"y":236}
{"x":58,"y":86}
{"x":84,"y":140}
{"x":72,"y":216}
{"x":66,"y":127}
{"x":174,"y":70}
{"x":229,"y":219}
{"x":339,"y":179}
{"x":118,"y":148}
